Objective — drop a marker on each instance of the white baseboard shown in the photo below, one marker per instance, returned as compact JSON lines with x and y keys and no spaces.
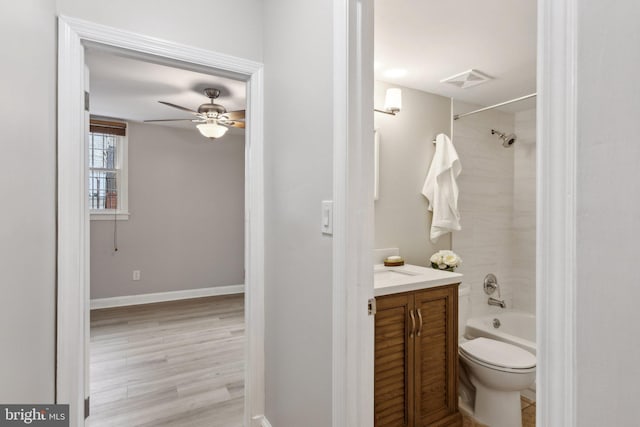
{"x":260,"y":421}
{"x":165,"y":296}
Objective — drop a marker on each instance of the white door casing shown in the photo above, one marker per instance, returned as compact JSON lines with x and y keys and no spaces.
{"x":73,"y":299}
{"x":87,"y":241}
{"x":556,"y":179}
{"x":353,"y":224}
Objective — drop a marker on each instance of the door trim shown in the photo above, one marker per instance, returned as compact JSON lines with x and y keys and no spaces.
{"x":73,"y":214}
{"x":556,"y":290}
{"x":353,"y":177}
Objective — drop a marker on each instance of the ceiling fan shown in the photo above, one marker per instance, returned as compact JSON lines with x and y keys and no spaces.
{"x":213,"y":118}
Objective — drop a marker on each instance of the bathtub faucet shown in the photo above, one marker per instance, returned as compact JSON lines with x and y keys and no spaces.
{"x":497,"y":302}
{"x":490,"y":286}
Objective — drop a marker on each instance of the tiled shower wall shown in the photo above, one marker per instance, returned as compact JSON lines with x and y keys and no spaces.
{"x":486,"y":203}
{"x":497,"y":206}
{"x":523,"y":274}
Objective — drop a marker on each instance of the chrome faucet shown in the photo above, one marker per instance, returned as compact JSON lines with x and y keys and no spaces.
{"x":497,"y":302}
{"x":490,"y":286}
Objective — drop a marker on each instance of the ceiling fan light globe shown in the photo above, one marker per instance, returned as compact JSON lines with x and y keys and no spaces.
{"x":212,"y":130}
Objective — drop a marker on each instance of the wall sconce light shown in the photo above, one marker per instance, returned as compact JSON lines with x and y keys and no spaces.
{"x":392,"y":102}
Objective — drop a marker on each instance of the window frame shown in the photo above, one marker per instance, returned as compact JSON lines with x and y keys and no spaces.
{"x":121,"y":213}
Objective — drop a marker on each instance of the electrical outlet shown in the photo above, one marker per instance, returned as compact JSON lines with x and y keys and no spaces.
{"x":136,"y":274}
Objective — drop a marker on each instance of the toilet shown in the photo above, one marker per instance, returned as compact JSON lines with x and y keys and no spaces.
{"x":492,"y":375}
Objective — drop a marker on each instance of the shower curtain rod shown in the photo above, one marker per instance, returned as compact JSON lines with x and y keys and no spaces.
{"x":522,"y":98}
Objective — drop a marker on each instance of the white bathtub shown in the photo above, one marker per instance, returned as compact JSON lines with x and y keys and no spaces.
{"x":516,"y":327}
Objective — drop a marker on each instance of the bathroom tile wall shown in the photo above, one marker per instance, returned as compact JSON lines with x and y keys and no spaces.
{"x":486,"y":203}
{"x":523,"y":271}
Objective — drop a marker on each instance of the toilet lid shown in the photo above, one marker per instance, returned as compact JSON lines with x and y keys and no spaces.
{"x":498,"y":353}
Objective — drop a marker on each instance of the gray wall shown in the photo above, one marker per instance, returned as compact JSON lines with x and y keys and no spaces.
{"x":608,"y":291}
{"x":298,"y":175}
{"x":406,"y":149}
{"x":27,"y":189}
{"x":28,"y":162}
{"x":186,"y":229}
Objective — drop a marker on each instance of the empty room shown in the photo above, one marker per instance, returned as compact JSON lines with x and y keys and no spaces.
{"x":166,"y":208}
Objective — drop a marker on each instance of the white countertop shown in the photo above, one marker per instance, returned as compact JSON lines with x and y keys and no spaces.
{"x":393,"y":280}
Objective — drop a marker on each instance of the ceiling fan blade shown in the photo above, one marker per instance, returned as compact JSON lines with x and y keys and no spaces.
{"x":235,"y":124}
{"x":179,"y":107}
{"x":235,"y":115}
{"x":168,"y":120}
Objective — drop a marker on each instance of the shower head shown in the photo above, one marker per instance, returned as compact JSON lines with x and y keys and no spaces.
{"x":507,"y":140}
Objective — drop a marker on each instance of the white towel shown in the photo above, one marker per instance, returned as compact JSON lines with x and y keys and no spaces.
{"x":441,"y":189}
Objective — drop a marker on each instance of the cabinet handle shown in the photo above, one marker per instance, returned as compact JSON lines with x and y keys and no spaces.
{"x":420,"y":320}
{"x":413,"y":323}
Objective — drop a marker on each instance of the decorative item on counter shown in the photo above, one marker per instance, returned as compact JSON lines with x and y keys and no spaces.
{"x":393,"y":261}
{"x":445,"y":260}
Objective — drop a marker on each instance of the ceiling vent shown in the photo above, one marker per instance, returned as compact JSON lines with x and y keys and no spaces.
{"x":467,"y":79}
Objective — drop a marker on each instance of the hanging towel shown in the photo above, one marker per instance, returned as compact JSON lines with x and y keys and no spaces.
{"x":441,"y":189}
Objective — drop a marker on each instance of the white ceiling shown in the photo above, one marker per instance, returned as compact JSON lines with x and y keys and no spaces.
{"x":130,"y":88}
{"x":436,"y":39}
{"x":430,"y":39}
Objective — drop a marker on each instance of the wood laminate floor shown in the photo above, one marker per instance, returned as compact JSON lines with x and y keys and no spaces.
{"x":177,"y":363}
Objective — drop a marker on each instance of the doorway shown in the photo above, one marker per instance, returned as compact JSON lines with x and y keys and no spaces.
{"x":73,"y":217}
{"x":556,"y":60}
{"x":166,"y":207}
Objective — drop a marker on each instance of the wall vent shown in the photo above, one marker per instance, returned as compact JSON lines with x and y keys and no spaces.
{"x":467,"y":79}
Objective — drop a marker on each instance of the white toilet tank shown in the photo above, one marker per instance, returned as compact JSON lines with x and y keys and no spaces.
{"x":464,"y":308}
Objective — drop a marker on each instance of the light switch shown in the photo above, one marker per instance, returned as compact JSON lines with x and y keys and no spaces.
{"x":327,"y":217}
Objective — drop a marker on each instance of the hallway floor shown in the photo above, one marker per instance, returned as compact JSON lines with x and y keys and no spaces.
{"x":169,"y":364}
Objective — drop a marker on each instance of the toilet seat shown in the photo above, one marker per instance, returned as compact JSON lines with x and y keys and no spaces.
{"x":498,"y":355}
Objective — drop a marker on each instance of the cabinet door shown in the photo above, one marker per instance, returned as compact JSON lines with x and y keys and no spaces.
{"x":393,"y":390}
{"x":436,"y":357}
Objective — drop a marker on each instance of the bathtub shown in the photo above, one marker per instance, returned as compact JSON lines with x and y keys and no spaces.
{"x":516,"y":327}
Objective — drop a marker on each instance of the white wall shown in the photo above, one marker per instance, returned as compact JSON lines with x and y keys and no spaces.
{"x":27,"y":188}
{"x":28,"y":164}
{"x":402,"y":219}
{"x":186,"y":229}
{"x":485,"y":202}
{"x":608,"y":288}
{"x":523,"y":243}
{"x":299,"y":175}
{"x":232,"y":27}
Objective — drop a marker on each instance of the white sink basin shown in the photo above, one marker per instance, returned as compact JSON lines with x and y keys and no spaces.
{"x":381,"y":277}
{"x":391,"y":280}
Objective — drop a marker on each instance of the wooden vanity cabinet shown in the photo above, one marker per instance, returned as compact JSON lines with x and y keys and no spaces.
{"x":416,"y":358}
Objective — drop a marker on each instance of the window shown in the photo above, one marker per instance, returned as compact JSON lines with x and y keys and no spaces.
{"x":107,"y":170}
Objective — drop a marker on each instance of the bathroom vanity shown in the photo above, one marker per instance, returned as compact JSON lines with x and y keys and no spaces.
{"x":416,"y":347}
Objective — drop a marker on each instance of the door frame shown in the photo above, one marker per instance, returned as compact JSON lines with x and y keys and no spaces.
{"x":353,"y":177}
{"x":556,"y":180}
{"x":73,"y":214}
